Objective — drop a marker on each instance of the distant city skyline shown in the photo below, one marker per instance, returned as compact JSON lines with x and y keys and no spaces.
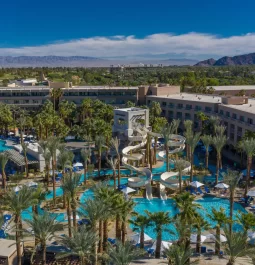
{"x":188,"y":29}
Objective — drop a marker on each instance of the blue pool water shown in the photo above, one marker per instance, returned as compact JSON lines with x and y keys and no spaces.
{"x":208,"y":203}
{"x":3,"y":147}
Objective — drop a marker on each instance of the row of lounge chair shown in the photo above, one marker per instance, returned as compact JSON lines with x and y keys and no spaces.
{"x":197,"y":191}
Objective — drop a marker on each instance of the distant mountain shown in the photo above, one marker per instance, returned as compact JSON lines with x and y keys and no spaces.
{"x":51,"y":61}
{"x":246,"y":59}
{"x":208,"y":62}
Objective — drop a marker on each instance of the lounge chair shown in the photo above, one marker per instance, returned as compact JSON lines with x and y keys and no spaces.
{"x":207,"y":190}
{"x":200,"y":191}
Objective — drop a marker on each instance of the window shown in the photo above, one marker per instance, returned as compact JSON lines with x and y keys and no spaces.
{"x":221,"y":112}
{"x":35,"y":102}
{"x":227,"y":114}
{"x":234,"y":116}
{"x":163,"y":104}
{"x":16,"y":101}
{"x":171,"y":105}
{"x":187,"y":116}
{"x":170,"y":114}
{"x":250,"y":121}
{"x":180,"y":106}
{"x":241,"y":118}
{"x":26,"y":101}
{"x":179,"y":115}
{"x":208,"y":109}
{"x":188,"y":107}
{"x":198,"y":108}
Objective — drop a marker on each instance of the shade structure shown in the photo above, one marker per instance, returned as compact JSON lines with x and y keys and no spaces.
{"x":136,"y":238}
{"x":193,"y":238}
{"x":213,"y":238}
{"x":252,"y":172}
{"x":164,"y":245}
{"x":31,"y":184}
{"x":222,"y":186}
{"x":18,"y":158}
{"x":127,"y":190}
{"x":251,"y":193}
{"x":196,"y":184}
{"x":78,"y":164}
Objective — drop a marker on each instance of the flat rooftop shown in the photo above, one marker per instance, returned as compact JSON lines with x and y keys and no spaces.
{"x":130,"y":109}
{"x":8,"y":247}
{"x":190,"y":97}
{"x":249,"y":108}
{"x":237,"y":88}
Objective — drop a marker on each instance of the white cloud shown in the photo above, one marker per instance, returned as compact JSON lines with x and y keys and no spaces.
{"x":192,"y":44}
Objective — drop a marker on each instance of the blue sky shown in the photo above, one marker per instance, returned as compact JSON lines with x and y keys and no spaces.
{"x":34,"y":24}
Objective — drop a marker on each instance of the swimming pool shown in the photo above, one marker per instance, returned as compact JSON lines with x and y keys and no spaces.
{"x":208,"y":203}
{"x":3,"y":146}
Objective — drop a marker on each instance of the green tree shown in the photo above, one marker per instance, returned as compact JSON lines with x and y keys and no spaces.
{"x":180,"y":165}
{"x":3,"y":161}
{"x":160,"y":219}
{"x":140,"y":223}
{"x":193,"y":143}
{"x":100,"y":143}
{"x":207,"y":141}
{"x":247,"y":220}
{"x":47,"y":157}
{"x":85,"y":154}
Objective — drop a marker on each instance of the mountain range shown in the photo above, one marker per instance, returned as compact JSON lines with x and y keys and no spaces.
{"x":246,"y":59}
{"x":83,"y":61}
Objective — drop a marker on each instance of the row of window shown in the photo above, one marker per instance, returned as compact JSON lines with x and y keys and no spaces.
{"x":234,"y":116}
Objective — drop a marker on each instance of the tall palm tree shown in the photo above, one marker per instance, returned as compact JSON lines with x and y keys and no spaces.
{"x":81,"y":244}
{"x":219,"y":142}
{"x":16,"y":203}
{"x":53,"y":146}
{"x":123,"y":254}
{"x":114,"y":144}
{"x":24,"y":149}
{"x":236,"y":246}
{"x":160,"y":219}
{"x":93,"y":210}
{"x":188,"y":124}
{"x":56,"y":94}
{"x":207,"y":141}
{"x":232,"y":179}
{"x":248,"y":147}
{"x":44,"y":227}
{"x":70,"y":185}
{"x":193,"y":143}
{"x":100,"y":143}
{"x":47,"y":157}
{"x":200,"y":224}
{"x":3,"y":161}
{"x":166,"y":133}
{"x":85,"y":154}
{"x":220,"y":218}
{"x":178,"y":254}
{"x":180,"y":165}
{"x":140,"y":223}
{"x":113,"y":163}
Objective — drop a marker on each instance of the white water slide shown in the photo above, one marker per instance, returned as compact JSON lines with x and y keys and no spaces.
{"x":167,"y":179}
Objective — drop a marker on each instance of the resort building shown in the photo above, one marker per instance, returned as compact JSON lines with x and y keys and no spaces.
{"x":8,"y":252}
{"x":234,"y":90}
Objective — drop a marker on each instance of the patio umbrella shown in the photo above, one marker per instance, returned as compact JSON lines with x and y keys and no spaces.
{"x":222,"y":186}
{"x":193,"y":238}
{"x":196,"y":184}
{"x":212,"y":237}
{"x":10,"y":133}
{"x":251,"y":193}
{"x":31,"y":184}
{"x":164,"y":245}
{"x":136,"y":238}
{"x":251,"y":234}
{"x":17,"y":188}
{"x":78,"y":164}
{"x":127,"y":190}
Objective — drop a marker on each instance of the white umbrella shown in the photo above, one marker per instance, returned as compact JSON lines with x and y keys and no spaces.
{"x":31,"y":184}
{"x":10,"y":133}
{"x":251,"y":234}
{"x":136,"y":238}
{"x":17,"y":188}
{"x":196,"y":184}
{"x":164,"y":245}
{"x":193,"y":238}
{"x":213,"y":237}
{"x":78,"y":164}
{"x":30,"y":136}
{"x":127,"y":190}
{"x":251,"y":193}
{"x":222,"y":186}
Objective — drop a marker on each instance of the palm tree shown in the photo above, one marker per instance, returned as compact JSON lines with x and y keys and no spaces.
{"x":193,"y":143}
{"x":24,"y":149}
{"x":81,"y":244}
{"x":178,"y":254}
{"x":123,"y":254}
{"x":160,"y":219}
{"x":200,"y":224}
{"x":140,"y":223}
{"x":99,"y":141}
{"x":247,"y":220}
{"x":56,"y":94}
{"x":93,"y":210}
{"x":70,"y":185}
{"x":115,"y":145}
{"x":207,"y":141}
{"x":53,"y":146}
{"x":47,"y":157}
{"x":232,"y":179}
{"x":16,"y":203}
{"x":3,"y":161}
{"x":112,"y":163}
{"x":166,"y":133}
{"x":219,"y":142}
{"x":236,"y":246}
{"x":248,"y":147}
{"x":85,"y":154}
{"x":44,"y":227}
{"x":188,"y":124}
{"x":220,"y":218}
{"x":180,"y":165}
